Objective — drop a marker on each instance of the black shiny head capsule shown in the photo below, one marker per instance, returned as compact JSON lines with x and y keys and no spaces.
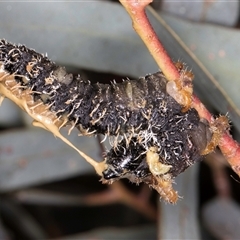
{"x":127,"y":162}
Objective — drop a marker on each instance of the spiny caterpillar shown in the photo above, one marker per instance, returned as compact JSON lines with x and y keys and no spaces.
{"x":154,"y":140}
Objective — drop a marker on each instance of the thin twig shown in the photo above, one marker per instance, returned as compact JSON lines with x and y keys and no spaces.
{"x":142,"y":26}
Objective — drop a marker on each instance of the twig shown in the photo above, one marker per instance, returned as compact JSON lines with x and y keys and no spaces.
{"x":141,"y":24}
{"x":118,"y":193}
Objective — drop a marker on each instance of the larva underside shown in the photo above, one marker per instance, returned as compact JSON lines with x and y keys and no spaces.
{"x":154,"y":139}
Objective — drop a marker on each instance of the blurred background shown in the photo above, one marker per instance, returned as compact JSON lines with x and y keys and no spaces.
{"x":47,"y":191}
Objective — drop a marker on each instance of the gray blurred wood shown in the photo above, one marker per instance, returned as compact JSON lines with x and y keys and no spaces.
{"x":4,"y":235}
{"x":10,"y":114}
{"x":34,"y":156}
{"x":142,"y":232}
{"x":180,"y":221}
{"x":47,"y":197}
{"x":22,"y":220}
{"x":222,"y":218}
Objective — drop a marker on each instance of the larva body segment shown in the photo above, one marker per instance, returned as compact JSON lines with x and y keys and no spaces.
{"x":158,"y":140}
{"x":100,"y":108}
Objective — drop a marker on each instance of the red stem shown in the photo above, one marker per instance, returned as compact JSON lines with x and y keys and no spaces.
{"x":201,"y":109}
{"x":142,"y":26}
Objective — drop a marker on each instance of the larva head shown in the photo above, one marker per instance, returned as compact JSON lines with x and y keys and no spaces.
{"x":116,"y":167}
{"x":126,"y":163}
